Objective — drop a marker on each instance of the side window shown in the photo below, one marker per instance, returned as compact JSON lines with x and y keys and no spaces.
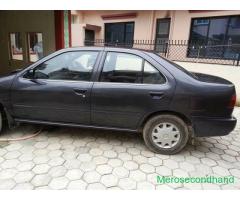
{"x":76,"y":65}
{"x":122,"y":67}
{"x":151,"y":75}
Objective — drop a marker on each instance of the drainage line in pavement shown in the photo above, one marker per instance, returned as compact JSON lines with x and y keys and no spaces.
{"x":21,"y":138}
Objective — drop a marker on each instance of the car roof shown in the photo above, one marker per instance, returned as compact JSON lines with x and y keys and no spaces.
{"x":106,"y":48}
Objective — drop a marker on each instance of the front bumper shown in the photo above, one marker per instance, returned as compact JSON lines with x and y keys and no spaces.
{"x":204,"y":127}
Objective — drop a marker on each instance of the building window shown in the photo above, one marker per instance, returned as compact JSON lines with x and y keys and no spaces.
{"x":213,"y":37}
{"x":201,"y":22}
{"x":119,"y":33}
{"x":16,"y":50}
{"x":35,"y":46}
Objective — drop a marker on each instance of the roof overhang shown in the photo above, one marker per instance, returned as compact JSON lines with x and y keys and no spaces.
{"x":92,"y":27}
{"x":119,"y":16}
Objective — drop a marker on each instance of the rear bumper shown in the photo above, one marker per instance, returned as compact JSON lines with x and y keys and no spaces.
{"x":204,"y":127}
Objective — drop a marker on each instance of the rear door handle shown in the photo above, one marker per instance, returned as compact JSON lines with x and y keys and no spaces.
{"x":156,"y":95}
{"x":80,"y":92}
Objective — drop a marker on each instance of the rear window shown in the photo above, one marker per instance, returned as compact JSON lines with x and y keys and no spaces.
{"x":183,"y":69}
{"x":177,"y":66}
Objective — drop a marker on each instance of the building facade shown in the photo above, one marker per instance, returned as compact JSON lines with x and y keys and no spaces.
{"x":212,"y":36}
{"x":179,"y":34}
{"x":26,"y":36}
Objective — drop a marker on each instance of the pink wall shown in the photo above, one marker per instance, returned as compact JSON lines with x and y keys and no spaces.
{"x":145,"y":23}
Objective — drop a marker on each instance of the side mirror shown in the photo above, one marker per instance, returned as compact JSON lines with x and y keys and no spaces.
{"x":30,"y":74}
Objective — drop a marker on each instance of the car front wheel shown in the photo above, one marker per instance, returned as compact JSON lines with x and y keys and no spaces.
{"x":165,"y":134}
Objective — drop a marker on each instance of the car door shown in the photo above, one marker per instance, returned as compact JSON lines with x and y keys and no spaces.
{"x":57,"y":90}
{"x":129,"y":88}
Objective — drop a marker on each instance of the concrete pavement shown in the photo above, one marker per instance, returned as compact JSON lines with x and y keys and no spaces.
{"x":71,"y":158}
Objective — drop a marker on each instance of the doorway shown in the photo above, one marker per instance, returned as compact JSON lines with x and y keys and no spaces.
{"x":89,"y":37}
{"x":162,"y":35}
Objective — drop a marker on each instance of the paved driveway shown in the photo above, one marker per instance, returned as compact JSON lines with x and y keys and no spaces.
{"x":67,"y":158}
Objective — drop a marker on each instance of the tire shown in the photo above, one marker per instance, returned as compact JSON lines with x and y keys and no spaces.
{"x":161,"y":129}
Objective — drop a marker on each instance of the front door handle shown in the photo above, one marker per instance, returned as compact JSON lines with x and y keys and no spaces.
{"x":80,"y":92}
{"x":156,"y":95}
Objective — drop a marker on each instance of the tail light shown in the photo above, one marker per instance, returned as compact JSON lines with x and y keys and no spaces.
{"x":232,"y":101}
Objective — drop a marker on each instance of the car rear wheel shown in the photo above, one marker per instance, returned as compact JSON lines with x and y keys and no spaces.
{"x":165,"y":134}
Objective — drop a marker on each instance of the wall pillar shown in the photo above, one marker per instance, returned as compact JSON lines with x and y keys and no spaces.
{"x":62,"y":29}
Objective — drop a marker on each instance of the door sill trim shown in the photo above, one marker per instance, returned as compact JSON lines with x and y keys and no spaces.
{"x":73,"y":125}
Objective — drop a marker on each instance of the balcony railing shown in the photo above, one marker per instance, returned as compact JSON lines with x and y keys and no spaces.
{"x":182,"y":50}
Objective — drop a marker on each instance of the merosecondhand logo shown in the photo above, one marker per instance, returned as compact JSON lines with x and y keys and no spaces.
{"x":204,"y":179}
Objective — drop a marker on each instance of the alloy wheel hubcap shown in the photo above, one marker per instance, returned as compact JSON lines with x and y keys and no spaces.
{"x":165,"y":135}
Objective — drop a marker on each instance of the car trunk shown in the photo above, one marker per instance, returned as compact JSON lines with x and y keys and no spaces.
{"x":210,"y":78}
{"x":218,"y":98}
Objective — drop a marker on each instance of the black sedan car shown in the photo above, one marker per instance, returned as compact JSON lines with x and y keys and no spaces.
{"x":120,"y":89}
